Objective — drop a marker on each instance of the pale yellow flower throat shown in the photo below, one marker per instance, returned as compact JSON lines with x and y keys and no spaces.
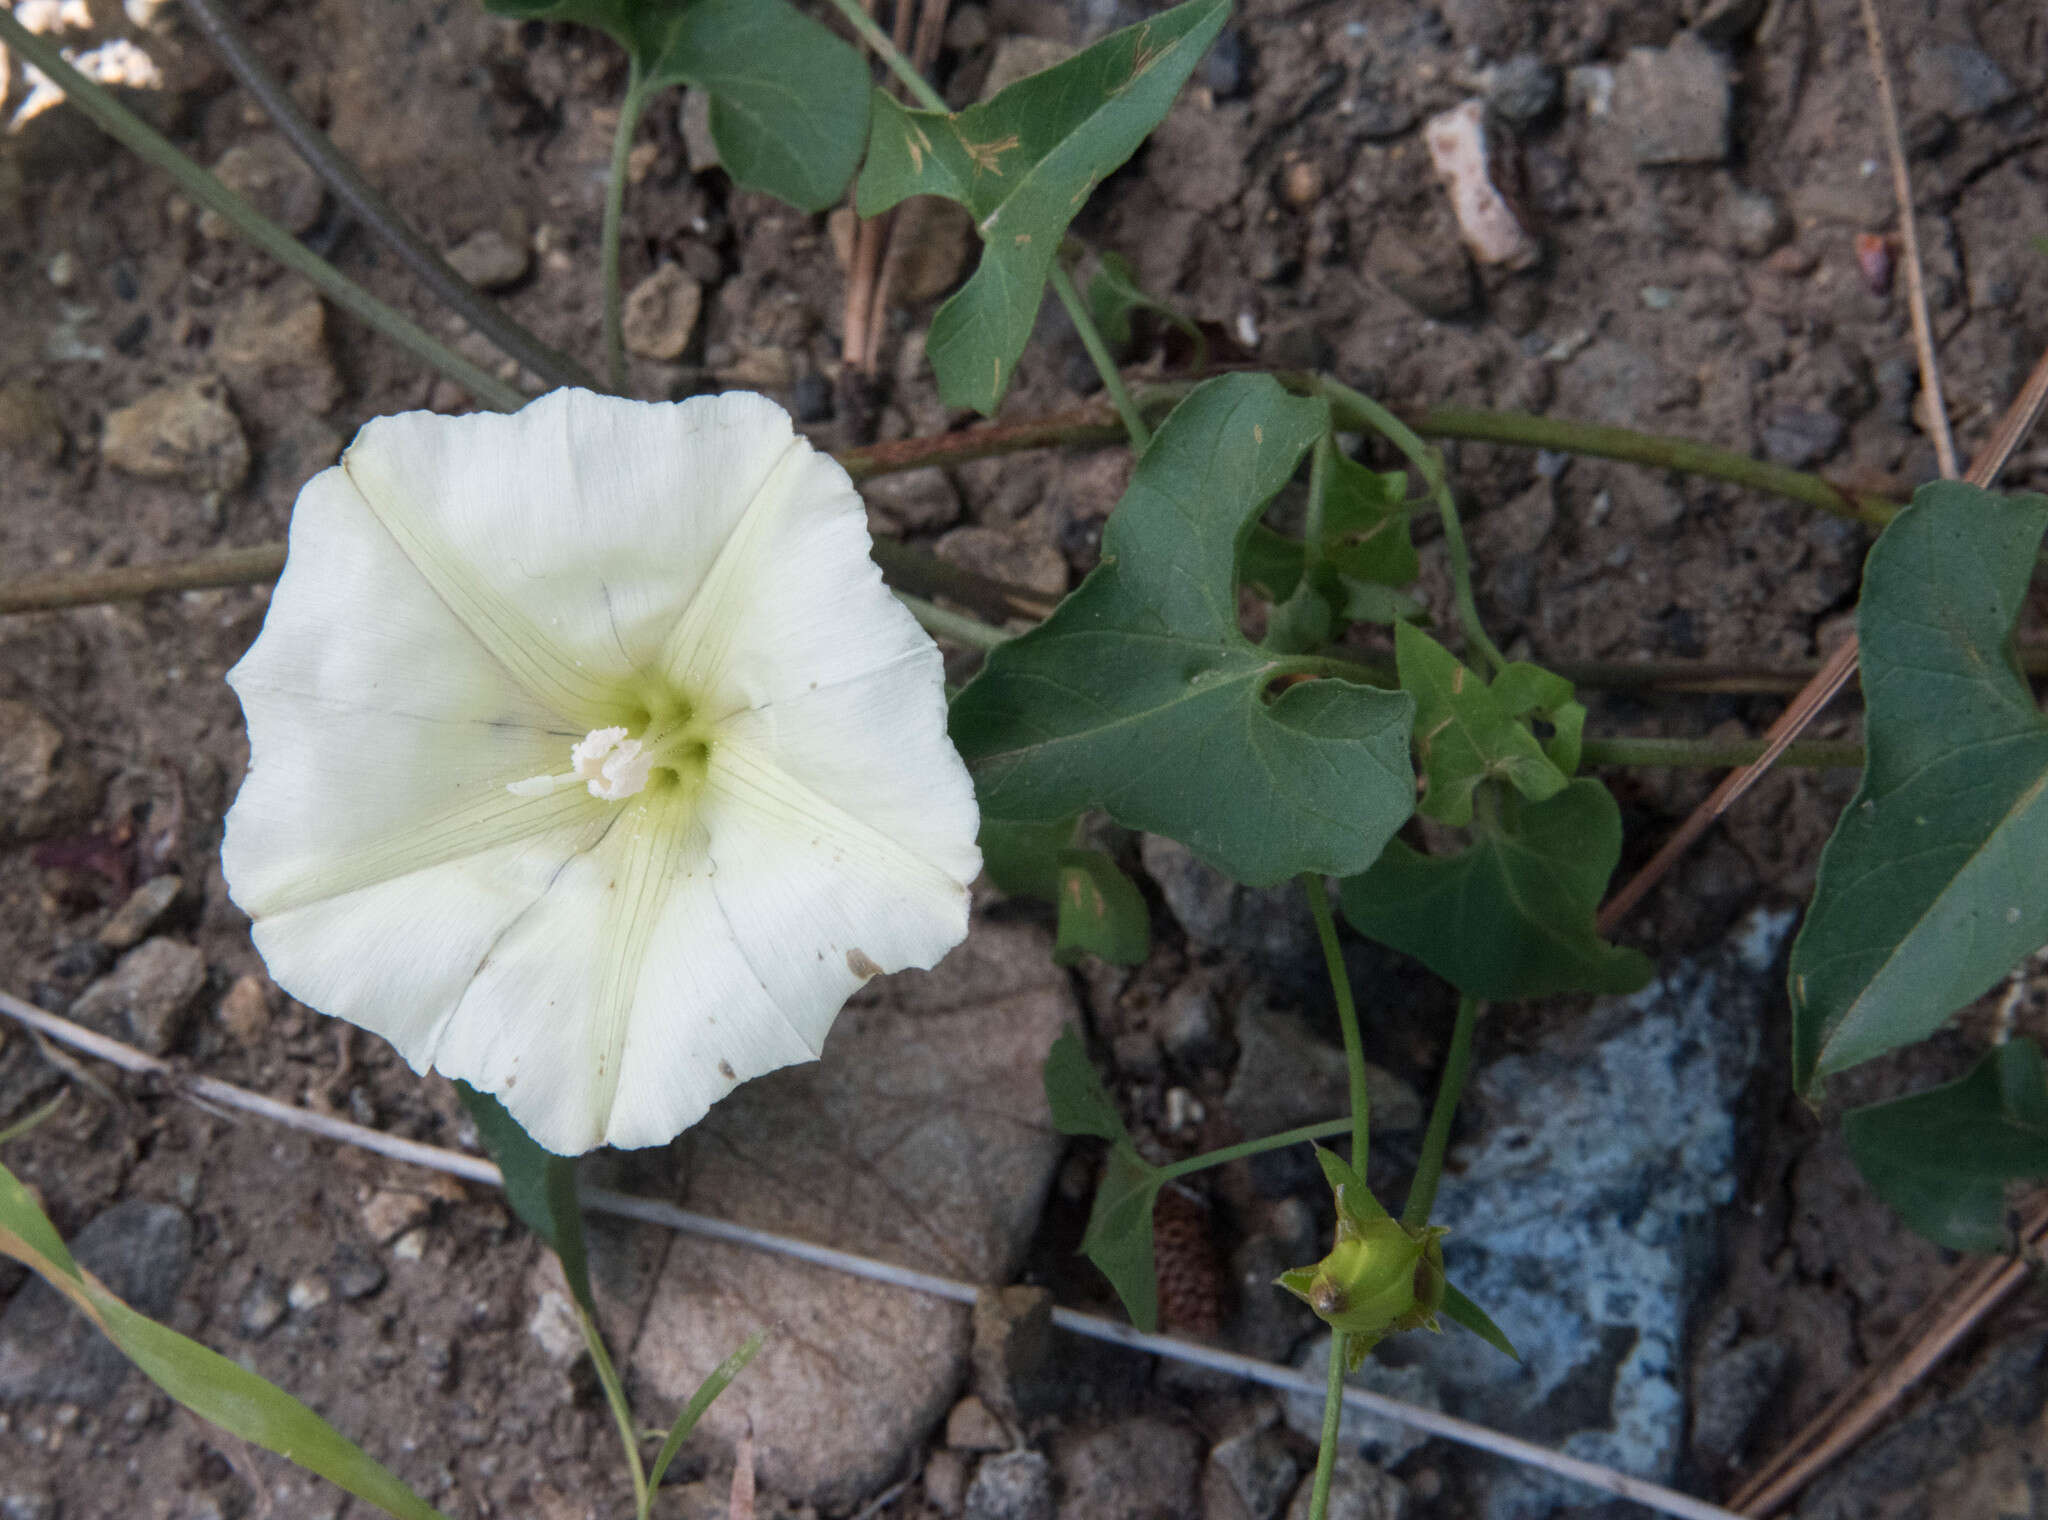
{"x":615,"y":765}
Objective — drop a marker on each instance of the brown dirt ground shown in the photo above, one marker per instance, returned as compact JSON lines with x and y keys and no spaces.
{"x":1646,"y":309}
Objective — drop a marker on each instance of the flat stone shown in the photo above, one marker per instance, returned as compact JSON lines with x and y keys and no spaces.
{"x":150,"y":991}
{"x":1674,"y":102}
{"x":1358,"y":1491}
{"x":246,"y":1009}
{"x":49,"y":1351}
{"x":1014,"y":1486}
{"x":972,"y":1426}
{"x":916,"y":501}
{"x":1261,"y":1469}
{"x":1800,"y":437}
{"x":1016,"y":560}
{"x":1144,"y":1468}
{"x":29,"y":427}
{"x":1012,"y":1348}
{"x":922,"y":1138}
{"x":389,"y":1212}
{"x":661,"y":313}
{"x":1433,"y":276}
{"x":273,"y":343}
{"x":1019,"y":57}
{"x":1286,"y":1076}
{"x":139,"y":914}
{"x":261,"y":1309}
{"x":490,"y":260}
{"x":185,"y":433}
{"x":39,"y":792}
{"x":267,"y":173}
{"x":1960,"y":81}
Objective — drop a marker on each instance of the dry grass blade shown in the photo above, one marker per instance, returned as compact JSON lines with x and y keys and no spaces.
{"x":1952,"y":1312}
{"x":656,"y":1211}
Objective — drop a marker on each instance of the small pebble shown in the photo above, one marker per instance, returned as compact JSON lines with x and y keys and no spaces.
{"x":262,"y":1307}
{"x":309,"y":1293}
{"x":139,"y":914}
{"x":1301,"y":184}
{"x":356,"y":1276}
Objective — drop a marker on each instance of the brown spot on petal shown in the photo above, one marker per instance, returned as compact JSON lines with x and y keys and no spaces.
{"x":725,"y":1070}
{"x":858,"y":963}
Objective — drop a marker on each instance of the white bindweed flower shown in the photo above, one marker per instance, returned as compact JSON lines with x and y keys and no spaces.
{"x":590,"y":760}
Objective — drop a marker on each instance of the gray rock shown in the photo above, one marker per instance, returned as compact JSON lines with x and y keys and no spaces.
{"x":1994,"y":1414}
{"x":1581,"y":1216}
{"x":273,"y":344}
{"x":138,"y":915}
{"x":1754,"y":221}
{"x":916,"y":501}
{"x":1287,"y":1076}
{"x":1522,"y":90}
{"x":185,"y":433}
{"x":267,"y":173}
{"x":1014,"y":1486}
{"x":1012,"y":1349}
{"x":972,"y":1426}
{"x":1800,"y":437}
{"x":262,"y":1307}
{"x":1731,"y":1391}
{"x":1959,"y":80}
{"x":1191,"y":1024}
{"x":1261,"y":1469}
{"x":1434,"y":276}
{"x":49,"y":1351}
{"x":1017,"y":560}
{"x":27,"y":1499}
{"x":1358,"y":1491}
{"x":1270,"y":924}
{"x":489,"y":260}
{"x":1143,"y":1468}
{"x":1673,"y":102}
{"x":661,"y":314}
{"x":693,"y":120}
{"x":355,"y":1275}
{"x":151,"y":991}
{"x":922,"y":1137}
{"x":39,"y":791}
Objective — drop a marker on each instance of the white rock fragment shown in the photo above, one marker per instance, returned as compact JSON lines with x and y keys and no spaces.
{"x":1488,"y":222}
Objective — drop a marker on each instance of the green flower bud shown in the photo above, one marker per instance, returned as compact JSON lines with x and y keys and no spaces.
{"x":1381,"y":1278}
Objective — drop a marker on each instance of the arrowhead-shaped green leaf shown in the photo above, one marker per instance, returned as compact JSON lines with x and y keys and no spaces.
{"x":1464,"y":733}
{"x":1943,"y":1158}
{"x":1141,"y":696}
{"x":1119,"y":1235}
{"x":1080,"y":1104}
{"x":1510,"y":916}
{"x":1024,"y":164}
{"x":1101,"y":912}
{"x":1461,"y":1310}
{"x":789,"y":100}
{"x":1931,"y":888}
{"x":1365,"y":523}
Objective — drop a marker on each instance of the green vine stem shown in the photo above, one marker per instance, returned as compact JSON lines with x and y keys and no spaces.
{"x":1100,"y":356}
{"x":952,"y":627}
{"x":1328,"y":1129}
{"x":1431,"y":465}
{"x":615,"y":1396}
{"x":118,"y":122}
{"x":631,"y":105}
{"x":886,"y":50}
{"x":1347,"y":1016}
{"x":1333,"y":1426}
{"x":373,"y":211}
{"x":1436,"y":1140}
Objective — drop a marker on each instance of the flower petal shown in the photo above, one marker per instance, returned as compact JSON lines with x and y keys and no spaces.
{"x":814,"y":666}
{"x":381,"y":735}
{"x":570,"y":535}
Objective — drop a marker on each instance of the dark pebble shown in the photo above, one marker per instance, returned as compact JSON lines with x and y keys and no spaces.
{"x":129,"y":339}
{"x":811,"y":398}
{"x":1228,"y":71}
{"x":87,"y":958}
{"x":1800,"y":437}
{"x":355,"y":1275}
{"x":261,"y":1308}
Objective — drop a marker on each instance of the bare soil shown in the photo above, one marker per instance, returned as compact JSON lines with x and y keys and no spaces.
{"x":1288,"y":202}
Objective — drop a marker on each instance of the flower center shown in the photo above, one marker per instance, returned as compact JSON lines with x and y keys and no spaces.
{"x":614,"y":764}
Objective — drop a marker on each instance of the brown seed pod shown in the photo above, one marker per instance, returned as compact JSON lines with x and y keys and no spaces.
{"x":1189,"y":1267}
